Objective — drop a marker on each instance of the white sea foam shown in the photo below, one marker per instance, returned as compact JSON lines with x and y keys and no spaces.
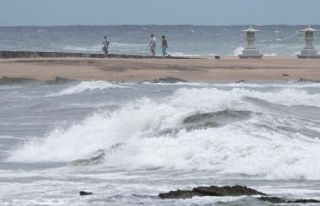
{"x":114,"y":46}
{"x":126,"y":45}
{"x":92,"y":48}
{"x":271,"y":55}
{"x":237,"y":148}
{"x":87,"y":86}
{"x":181,"y":54}
{"x":238,"y":51}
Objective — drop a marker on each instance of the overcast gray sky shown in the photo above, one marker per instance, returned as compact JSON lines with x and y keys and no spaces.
{"x":198,"y":12}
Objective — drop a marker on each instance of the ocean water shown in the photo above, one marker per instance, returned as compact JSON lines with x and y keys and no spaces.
{"x":201,"y":41}
{"x":127,"y":142}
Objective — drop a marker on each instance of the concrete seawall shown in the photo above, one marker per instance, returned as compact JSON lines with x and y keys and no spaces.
{"x":31,"y":54}
{"x":145,"y":69}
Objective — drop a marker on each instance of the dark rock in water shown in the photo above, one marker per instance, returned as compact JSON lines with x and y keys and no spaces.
{"x":84,"y":193}
{"x":304,"y":201}
{"x":168,"y":80}
{"x":227,"y":191}
{"x":234,"y":191}
{"x":217,"y":57}
{"x":60,"y":80}
{"x":10,"y":80}
{"x":272,"y":199}
{"x":308,"y":80}
{"x":211,"y":191}
{"x":278,"y":200}
{"x":214,"y":119}
{"x":240,"y":81}
{"x":180,"y":194}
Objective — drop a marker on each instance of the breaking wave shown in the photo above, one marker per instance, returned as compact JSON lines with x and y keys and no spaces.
{"x":87,"y":86}
{"x":269,"y":135}
{"x":92,"y":48}
{"x":238,"y":51}
{"x":114,"y":47}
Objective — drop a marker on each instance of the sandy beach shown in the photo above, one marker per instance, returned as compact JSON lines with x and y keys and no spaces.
{"x":120,"y":69}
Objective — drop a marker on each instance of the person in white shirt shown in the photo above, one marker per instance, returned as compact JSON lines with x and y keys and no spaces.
{"x":153,"y":44}
{"x":105,"y":44}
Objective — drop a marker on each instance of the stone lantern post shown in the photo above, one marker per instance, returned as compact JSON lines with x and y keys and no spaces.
{"x":309,"y":52}
{"x":250,"y":52}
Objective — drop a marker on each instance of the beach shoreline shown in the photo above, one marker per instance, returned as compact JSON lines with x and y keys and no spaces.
{"x":135,"y":70}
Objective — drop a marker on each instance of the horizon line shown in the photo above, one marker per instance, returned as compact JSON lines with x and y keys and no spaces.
{"x":115,"y":25}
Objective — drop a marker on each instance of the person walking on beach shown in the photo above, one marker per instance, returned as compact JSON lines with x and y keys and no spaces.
{"x":164,"y":46}
{"x":153,"y":44}
{"x":105,"y":44}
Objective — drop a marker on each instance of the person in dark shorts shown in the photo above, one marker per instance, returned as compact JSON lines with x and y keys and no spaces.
{"x":164,"y":46}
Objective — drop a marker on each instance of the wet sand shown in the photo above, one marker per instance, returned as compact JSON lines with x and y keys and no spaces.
{"x":118,"y":69}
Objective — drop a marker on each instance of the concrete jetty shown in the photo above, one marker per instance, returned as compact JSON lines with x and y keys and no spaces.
{"x":35,"y":54}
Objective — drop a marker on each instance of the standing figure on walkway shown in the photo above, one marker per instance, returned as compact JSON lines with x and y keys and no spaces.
{"x":153,"y":44}
{"x":105,"y":44}
{"x":164,"y":46}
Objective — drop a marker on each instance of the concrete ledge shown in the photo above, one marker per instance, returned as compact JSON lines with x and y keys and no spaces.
{"x":31,"y":54}
{"x":250,"y":57}
{"x":137,"y":70}
{"x":308,"y":57}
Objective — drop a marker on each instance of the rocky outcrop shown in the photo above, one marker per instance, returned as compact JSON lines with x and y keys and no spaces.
{"x":60,"y":80}
{"x":240,"y":81}
{"x":84,"y":193}
{"x":308,"y":80}
{"x":233,"y":191}
{"x":211,"y":191}
{"x":170,"y":80}
{"x":10,"y":80}
{"x":277,"y":200}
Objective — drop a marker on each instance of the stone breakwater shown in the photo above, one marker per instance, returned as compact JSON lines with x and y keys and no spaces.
{"x":230,"y":191}
{"x":35,"y":54}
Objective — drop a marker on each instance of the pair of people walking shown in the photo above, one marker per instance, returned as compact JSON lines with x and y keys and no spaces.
{"x":153,"y":45}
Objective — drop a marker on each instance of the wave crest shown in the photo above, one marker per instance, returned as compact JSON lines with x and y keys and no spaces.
{"x":255,"y":146}
{"x":87,"y":86}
